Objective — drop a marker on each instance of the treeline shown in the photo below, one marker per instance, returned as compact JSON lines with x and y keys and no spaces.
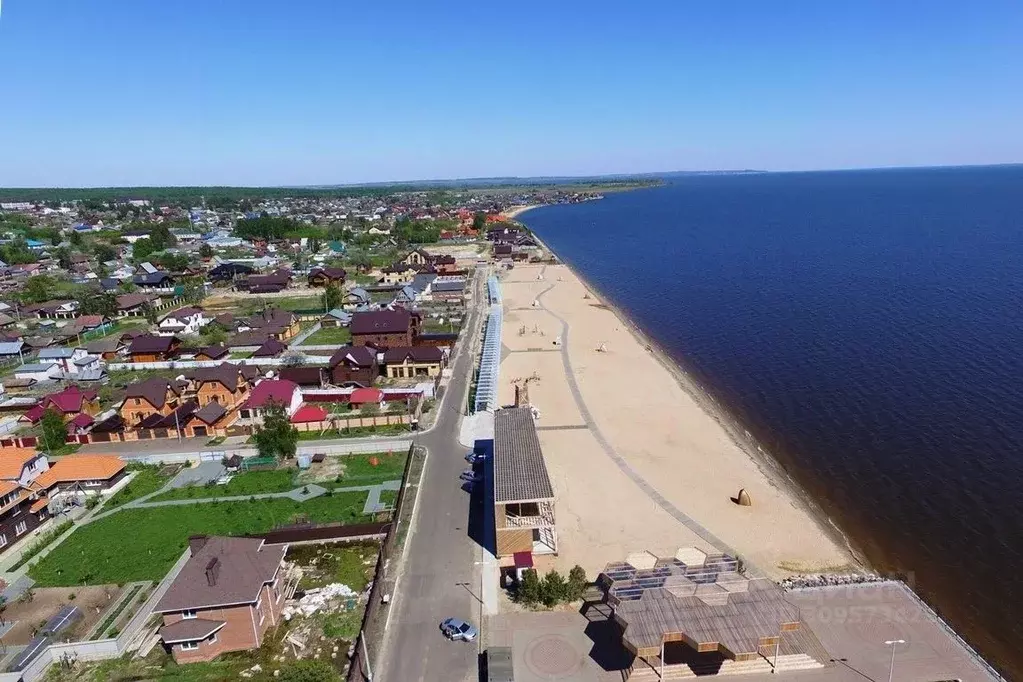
{"x":223,"y":197}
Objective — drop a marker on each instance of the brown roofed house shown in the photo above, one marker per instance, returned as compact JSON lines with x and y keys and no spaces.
{"x":229,"y":593}
{"x":87,"y":473}
{"x":406,"y":362}
{"x":151,"y":348}
{"x":321,"y":277}
{"x":155,"y":395}
{"x":226,"y":384}
{"x":354,"y":364}
{"x":385,"y":328}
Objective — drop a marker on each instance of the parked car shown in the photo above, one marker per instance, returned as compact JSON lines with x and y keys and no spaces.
{"x":458,"y":630}
{"x":470,"y":475}
{"x":474,"y":457}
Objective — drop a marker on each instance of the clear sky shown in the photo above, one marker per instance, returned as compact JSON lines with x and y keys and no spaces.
{"x":249,"y":92}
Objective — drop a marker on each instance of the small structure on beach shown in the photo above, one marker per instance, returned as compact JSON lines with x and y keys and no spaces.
{"x":743,"y":499}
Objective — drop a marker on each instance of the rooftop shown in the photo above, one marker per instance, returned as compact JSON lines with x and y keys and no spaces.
{"x":520,"y":473}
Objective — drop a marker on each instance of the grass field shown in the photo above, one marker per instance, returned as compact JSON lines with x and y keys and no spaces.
{"x":360,"y":471}
{"x":350,"y":563}
{"x":389,"y":497}
{"x":147,"y":480}
{"x":247,"y":483}
{"x":328,"y":335}
{"x":382,"y":430}
{"x":142,"y":544}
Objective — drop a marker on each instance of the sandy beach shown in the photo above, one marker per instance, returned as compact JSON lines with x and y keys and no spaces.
{"x":514,"y":211}
{"x":638,"y":459}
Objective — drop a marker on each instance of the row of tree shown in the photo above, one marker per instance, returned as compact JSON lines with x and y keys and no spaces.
{"x":552,"y":589}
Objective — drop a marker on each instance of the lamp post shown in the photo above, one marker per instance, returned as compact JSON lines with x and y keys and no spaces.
{"x":892,"y":643}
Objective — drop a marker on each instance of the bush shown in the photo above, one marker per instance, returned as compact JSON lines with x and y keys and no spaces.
{"x":529,"y":588}
{"x":553,"y":589}
{"x":576,"y":583}
{"x":309,"y":671}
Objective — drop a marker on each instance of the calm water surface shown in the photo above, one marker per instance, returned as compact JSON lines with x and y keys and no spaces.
{"x":867,"y":327}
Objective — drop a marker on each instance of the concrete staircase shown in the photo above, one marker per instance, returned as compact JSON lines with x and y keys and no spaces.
{"x":786,"y":663}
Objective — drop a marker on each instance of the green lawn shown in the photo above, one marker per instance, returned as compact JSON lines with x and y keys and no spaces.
{"x":389,"y":497}
{"x":147,"y":480}
{"x":247,"y":483}
{"x":358,"y":431}
{"x":142,"y":544}
{"x":360,"y":471}
{"x":328,"y":335}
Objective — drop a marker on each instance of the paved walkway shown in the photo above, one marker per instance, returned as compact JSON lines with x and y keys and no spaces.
{"x":609,"y":449}
{"x":295,"y":342}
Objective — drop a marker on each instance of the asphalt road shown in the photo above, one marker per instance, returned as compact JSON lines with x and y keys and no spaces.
{"x":440,"y":578}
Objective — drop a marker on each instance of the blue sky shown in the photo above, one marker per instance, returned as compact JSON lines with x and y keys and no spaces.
{"x":135,"y":92}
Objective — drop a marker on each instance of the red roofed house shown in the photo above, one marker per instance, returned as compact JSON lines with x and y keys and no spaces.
{"x":366,"y":396}
{"x":309,"y":414}
{"x":227,"y":595}
{"x":69,"y":403}
{"x":385,"y":328}
{"x":268,"y":391}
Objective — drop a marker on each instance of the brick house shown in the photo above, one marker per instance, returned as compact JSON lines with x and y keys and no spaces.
{"x":22,"y":510}
{"x":353,"y":364}
{"x":190,"y":420}
{"x":81,"y":473}
{"x":385,"y":328}
{"x":226,"y":384}
{"x":269,"y":391}
{"x":414,"y":361}
{"x":150,"y":348}
{"x":229,"y":593}
{"x":152,"y":396}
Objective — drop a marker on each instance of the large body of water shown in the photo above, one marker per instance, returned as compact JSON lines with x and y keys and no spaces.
{"x":868,"y":328}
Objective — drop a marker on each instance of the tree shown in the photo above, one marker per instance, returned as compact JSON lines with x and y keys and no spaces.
{"x":103,"y":303}
{"x":63,"y":256}
{"x":314,"y":245}
{"x":528,"y":592}
{"x":104,"y":252}
{"x":361,"y":261}
{"x":553,"y":589}
{"x":576,"y":583}
{"x":75,"y":238}
{"x":206,"y":251}
{"x":479,"y":220}
{"x":277,"y":437}
{"x":213,"y":334}
{"x":150,"y":312}
{"x":38,"y":288}
{"x":53,"y":429}
{"x":309,"y":671}
{"x":142,"y":249}
{"x":17,"y":252}
{"x":332,"y":296}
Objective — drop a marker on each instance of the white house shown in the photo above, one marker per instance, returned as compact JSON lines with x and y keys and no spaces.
{"x":40,"y":371}
{"x":182,"y":321}
{"x":66,"y":358}
{"x":280,"y":391}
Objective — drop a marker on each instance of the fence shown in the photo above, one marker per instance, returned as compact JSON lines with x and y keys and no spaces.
{"x":99,"y":649}
{"x":376,"y":610}
{"x":324,"y":531}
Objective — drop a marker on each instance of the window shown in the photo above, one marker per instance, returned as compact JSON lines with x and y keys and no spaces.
{"x":3,"y":539}
{"x":187,"y":615}
{"x":259,"y":608}
{"x":213,"y":638}
{"x":20,"y":528}
{"x":138,"y":401}
{"x":189,"y":646}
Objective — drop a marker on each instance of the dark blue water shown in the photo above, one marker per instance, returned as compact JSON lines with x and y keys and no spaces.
{"x":867,"y":327}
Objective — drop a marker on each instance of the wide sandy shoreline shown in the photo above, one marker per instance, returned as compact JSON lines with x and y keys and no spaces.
{"x":785,"y":532}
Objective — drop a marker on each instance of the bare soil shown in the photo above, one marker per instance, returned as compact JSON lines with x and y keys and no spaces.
{"x":30,"y":616}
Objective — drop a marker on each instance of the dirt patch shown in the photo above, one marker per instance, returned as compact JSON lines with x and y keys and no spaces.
{"x":31,"y":614}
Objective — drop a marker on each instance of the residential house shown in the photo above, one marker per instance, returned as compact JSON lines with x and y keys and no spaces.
{"x":385,"y":328}
{"x":39,"y":371}
{"x":215,"y":352}
{"x":52,"y":310}
{"x":150,"y":348}
{"x":65,"y":357}
{"x":417,"y":258}
{"x":357,"y":297}
{"x":155,"y":395}
{"x":448,"y":289}
{"x":7,"y":321}
{"x":321,"y":277}
{"x":69,"y":403}
{"x":502,"y":251}
{"x":405,"y":296}
{"x":269,"y":391}
{"x":275,"y":322}
{"x":21,"y":465}
{"x":271,"y":348}
{"x":399,"y":273}
{"x":88,"y":323}
{"x":336,"y":318}
{"x":445,"y":264}
{"x":227,"y":272}
{"x":188,"y":320}
{"x":12,"y":349}
{"x":81,"y":473}
{"x":152,"y":281}
{"x":227,"y":384}
{"x":226,"y":597}
{"x":276,"y":281}
{"x":414,"y":361}
{"x":22,"y":510}
{"x":134,"y":305}
{"x":306,"y":377}
{"x":353,"y":364}
{"x":187,"y":420}
{"x":109,"y":348}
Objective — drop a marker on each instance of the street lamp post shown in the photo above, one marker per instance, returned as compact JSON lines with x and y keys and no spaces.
{"x":892,"y":643}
